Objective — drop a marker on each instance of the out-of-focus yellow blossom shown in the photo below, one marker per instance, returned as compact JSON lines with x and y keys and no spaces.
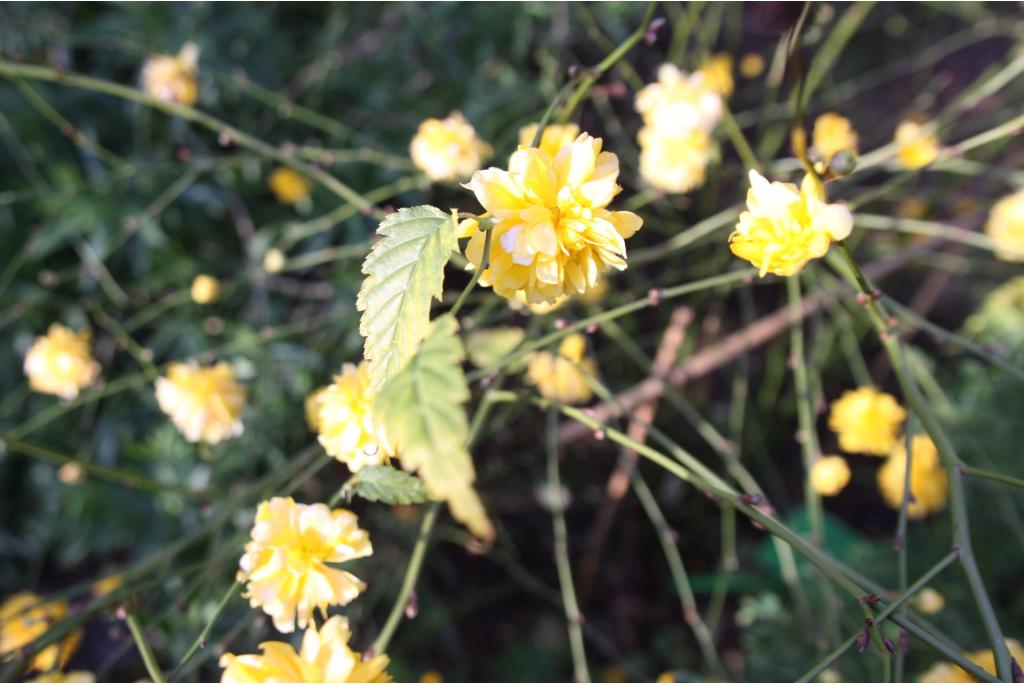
{"x":563,"y":377}
{"x":915,"y":148}
{"x":718,"y":74}
{"x":929,"y":482}
{"x":666,"y":677}
{"x":65,"y":677}
{"x":833,"y":134}
{"x":285,"y":565}
{"x":867,"y":421}
{"x":288,"y":186}
{"x":432,"y":677}
{"x":679,"y":102}
{"x":1000,"y":318}
{"x":554,"y":138}
{"x":554,"y":235}
{"x":929,"y":601}
{"x":273,"y":261}
{"x":312,"y":405}
{"x":448,"y":149}
{"x":518,"y":303}
{"x":172,"y":78}
{"x":830,"y":475}
{"x":104,"y":586}
{"x":674,"y":163}
{"x":946,"y":672}
{"x":785,"y":227}
{"x":751,"y":65}
{"x":204,"y":402}
{"x":24,"y":617}
{"x":61,"y":363}
{"x":1005,"y":227}
{"x":205,"y":289}
{"x":70,"y":473}
{"x":347,"y":428}
{"x":595,"y":294}
{"x":324,"y":657}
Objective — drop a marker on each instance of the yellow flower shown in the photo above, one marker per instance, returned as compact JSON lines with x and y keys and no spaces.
{"x":204,"y":402}
{"x":929,"y":482}
{"x":324,"y":657}
{"x":448,"y":149}
{"x":674,"y":163}
{"x":554,"y":138}
{"x":666,"y":677}
{"x":563,"y":377}
{"x":285,"y":565}
{"x":915,"y":148}
{"x":432,"y":677}
{"x":23,"y":618}
{"x":205,"y":289}
{"x":554,"y":235}
{"x":60,"y":363}
{"x":1005,"y":227}
{"x":679,"y":102}
{"x":784,"y":228}
{"x":172,"y":78}
{"x":867,"y":421}
{"x":929,"y":601}
{"x":751,"y":65}
{"x":347,"y":428}
{"x":288,"y":186}
{"x":829,"y":475}
{"x":834,"y":134}
{"x":104,"y":586}
{"x":946,"y":672}
{"x":62,"y":677}
{"x":717,"y":73}
{"x":312,"y":405}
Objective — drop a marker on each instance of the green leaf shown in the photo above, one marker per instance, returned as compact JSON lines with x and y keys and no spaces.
{"x":423,"y":415}
{"x":388,"y":485}
{"x":404,"y":272}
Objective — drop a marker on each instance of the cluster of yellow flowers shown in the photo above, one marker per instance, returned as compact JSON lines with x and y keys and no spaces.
{"x":448,"y":149}
{"x":680,"y":112}
{"x":24,"y":616}
{"x":868,"y":421}
{"x":172,"y":78}
{"x":946,"y":672}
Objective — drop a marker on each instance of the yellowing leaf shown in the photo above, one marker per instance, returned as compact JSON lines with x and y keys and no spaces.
{"x":488,"y":346}
{"x":422,"y":411}
{"x":404,"y":272}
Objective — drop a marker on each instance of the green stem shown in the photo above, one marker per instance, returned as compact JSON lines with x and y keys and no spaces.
{"x":152,"y":667}
{"x":13,"y":70}
{"x":572,"y":610}
{"x":203,"y":636}
{"x":412,"y":573}
{"x":932,"y":425}
{"x":991,"y":475}
{"x":901,"y":531}
{"x":481,"y":267}
{"x":594,"y":73}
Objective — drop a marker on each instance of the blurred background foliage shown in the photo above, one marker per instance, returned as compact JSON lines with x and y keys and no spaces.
{"x":105,"y":229}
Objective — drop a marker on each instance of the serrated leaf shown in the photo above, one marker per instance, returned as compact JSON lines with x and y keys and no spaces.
{"x":404,"y":272}
{"x":490,"y":345}
{"x":389,"y":485}
{"x":423,"y":415}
